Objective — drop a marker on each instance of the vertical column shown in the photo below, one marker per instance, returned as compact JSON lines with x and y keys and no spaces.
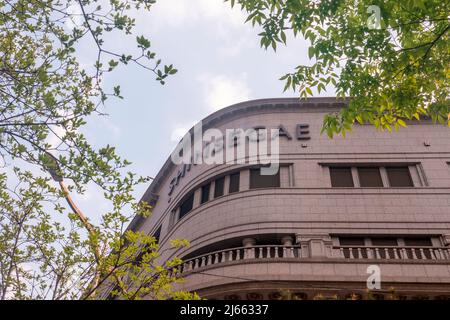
{"x":355,"y":177}
{"x":315,"y":245}
{"x":384,"y":177}
{"x":287,"y":241}
{"x":174,"y":216}
{"x":415,"y":177}
{"x":226,"y":185}
{"x":291,"y":175}
{"x":249,"y":250}
{"x":212,"y":186}
{"x":285,"y":180}
{"x":197,"y":197}
{"x":244,"y":180}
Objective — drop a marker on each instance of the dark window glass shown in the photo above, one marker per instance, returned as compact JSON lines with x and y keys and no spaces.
{"x":205,"y":193}
{"x":353,"y":242}
{"x":384,"y":242}
{"x":257,"y":180}
{"x":399,"y":177}
{"x":384,"y":252}
{"x":419,"y":242}
{"x":341,"y":177}
{"x":370,"y":177}
{"x":234,"y":182}
{"x":186,"y":206}
{"x":415,"y":253}
{"x":218,"y":187}
{"x":157,"y":234}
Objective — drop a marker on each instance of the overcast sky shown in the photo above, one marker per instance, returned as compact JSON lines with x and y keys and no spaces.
{"x":220,"y":63}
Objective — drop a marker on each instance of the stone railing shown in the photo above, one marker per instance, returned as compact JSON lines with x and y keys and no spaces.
{"x":392,"y":253}
{"x":268,"y":252}
{"x":241,"y":253}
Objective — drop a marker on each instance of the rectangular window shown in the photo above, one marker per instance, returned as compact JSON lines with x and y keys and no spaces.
{"x":416,"y":253}
{"x":418,"y":242}
{"x":157,"y":234}
{"x":257,"y":180}
{"x":234,"y":182}
{"x":186,"y":205}
{"x":399,"y":177}
{"x":353,"y":242}
{"x":205,"y":193}
{"x":218,"y":187}
{"x":384,"y":242}
{"x":370,"y":177}
{"x":383,"y":252}
{"x":341,"y":177}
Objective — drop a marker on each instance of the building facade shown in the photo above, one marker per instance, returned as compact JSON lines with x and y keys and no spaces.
{"x":373,"y":206}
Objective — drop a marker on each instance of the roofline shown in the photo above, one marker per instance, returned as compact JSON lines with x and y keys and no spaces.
{"x":317,"y":104}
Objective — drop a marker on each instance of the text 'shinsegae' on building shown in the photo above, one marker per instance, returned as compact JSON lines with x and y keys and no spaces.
{"x":336,"y":212}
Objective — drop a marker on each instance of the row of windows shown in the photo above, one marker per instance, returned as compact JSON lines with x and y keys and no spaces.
{"x":219,"y":186}
{"x":257,"y":180}
{"x":341,"y":177}
{"x":385,"y":241}
{"x":370,"y":177}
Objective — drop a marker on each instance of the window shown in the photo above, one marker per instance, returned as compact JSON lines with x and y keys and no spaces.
{"x":385,"y":242}
{"x":399,"y":177}
{"x":205,"y":193}
{"x":186,"y":205}
{"x":341,"y":177}
{"x":234,"y":182}
{"x":352,"y":242}
{"x":157,"y":234}
{"x":418,"y":242}
{"x":370,"y":177}
{"x":257,"y":180}
{"x":417,"y":253}
{"x":218,"y":187}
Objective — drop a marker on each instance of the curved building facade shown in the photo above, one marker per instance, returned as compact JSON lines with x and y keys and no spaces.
{"x":341,"y":215}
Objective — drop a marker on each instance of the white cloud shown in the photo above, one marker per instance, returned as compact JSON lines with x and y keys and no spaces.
{"x":221,"y":91}
{"x":176,"y":13}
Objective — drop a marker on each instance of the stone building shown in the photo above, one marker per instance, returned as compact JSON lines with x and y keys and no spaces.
{"x":337,"y":211}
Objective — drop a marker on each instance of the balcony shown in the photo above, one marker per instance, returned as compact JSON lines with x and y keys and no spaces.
{"x":393,"y":253}
{"x":277,"y":253}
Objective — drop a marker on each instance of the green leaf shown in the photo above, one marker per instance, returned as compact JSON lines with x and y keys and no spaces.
{"x":311,"y":51}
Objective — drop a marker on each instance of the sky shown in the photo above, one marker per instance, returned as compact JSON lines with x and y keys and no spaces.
{"x":219,"y":62}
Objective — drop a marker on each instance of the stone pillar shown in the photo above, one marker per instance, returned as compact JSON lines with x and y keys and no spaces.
{"x":384,"y":177}
{"x":212,"y":187}
{"x":244,"y":180}
{"x":287,"y":241}
{"x":226,"y":185}
{"x":289,"y":251}
{"x":355,"y":177}
{"x":315,"y":245}
{"x":446,"y":239}
{"x":249,"y":251}
{"x":197,"y":198}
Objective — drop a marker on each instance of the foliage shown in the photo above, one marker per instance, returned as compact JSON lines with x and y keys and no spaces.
{"x":393,"y":71}
{"x":48,"y":251}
